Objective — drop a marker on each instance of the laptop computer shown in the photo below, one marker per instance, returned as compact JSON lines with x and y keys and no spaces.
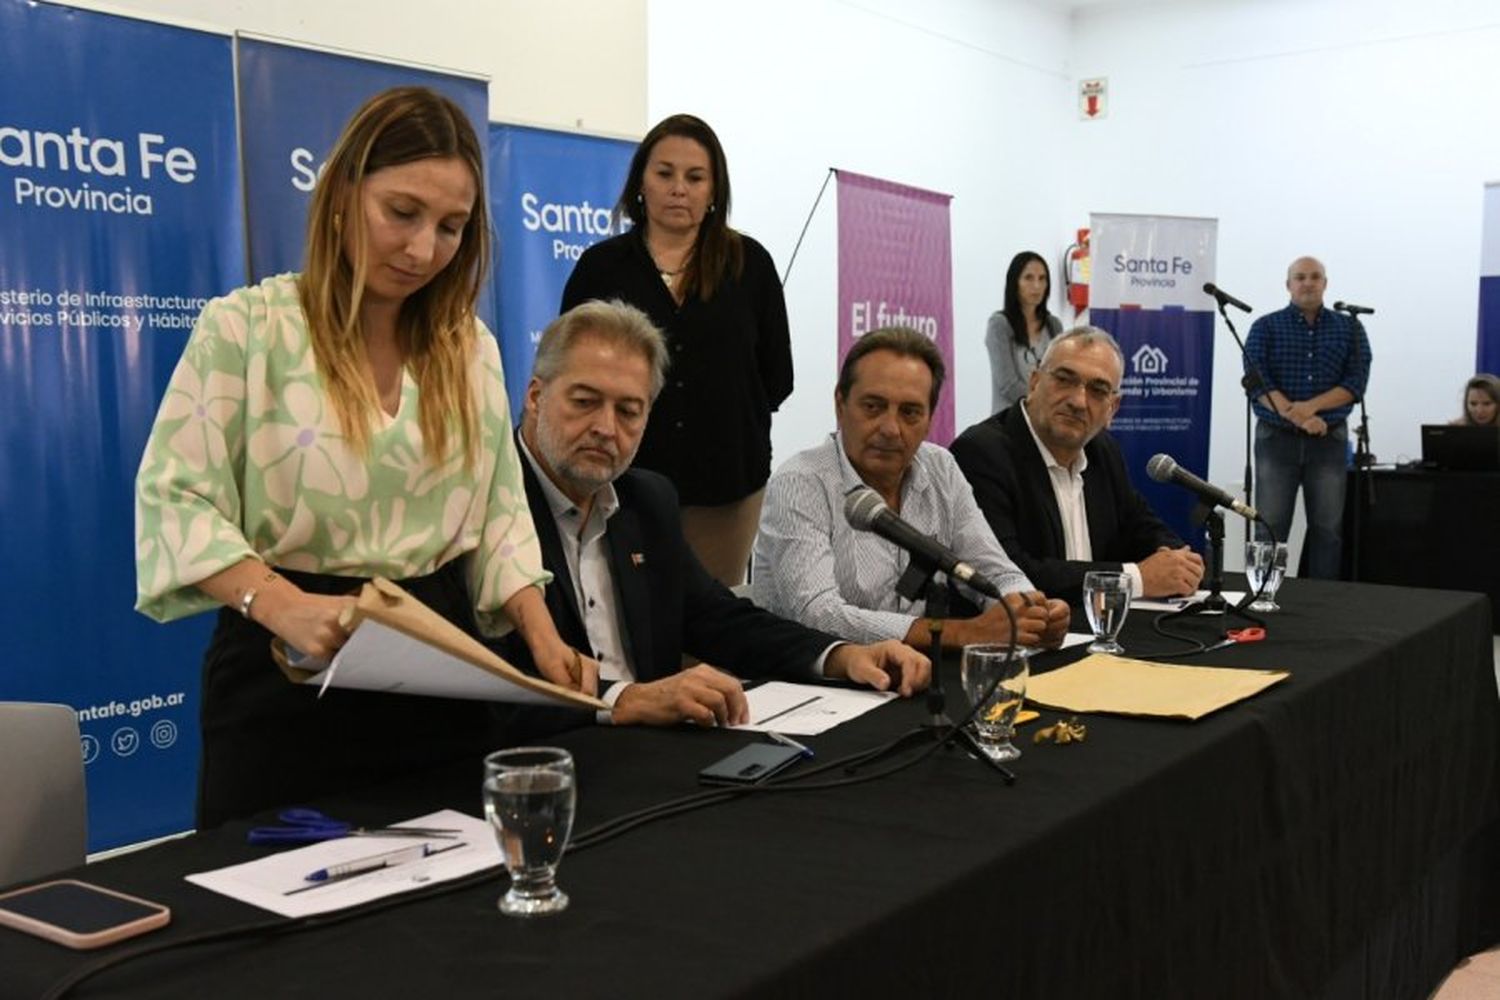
{"x":1461,"y":447}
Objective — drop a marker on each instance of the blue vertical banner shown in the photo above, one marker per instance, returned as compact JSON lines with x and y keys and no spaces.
{"x":550,"y":198}
{"x":119,"y":217}
{"x":1147,"y":290}
{"x":1487,"y":354}
{"x":294,"y":102}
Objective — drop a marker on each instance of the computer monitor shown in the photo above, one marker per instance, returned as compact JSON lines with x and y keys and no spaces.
{"x":1461,"y":447}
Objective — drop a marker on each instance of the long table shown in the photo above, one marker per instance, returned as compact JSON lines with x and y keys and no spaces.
{"x":1330,"y":837}
{"x":1425,"y":528}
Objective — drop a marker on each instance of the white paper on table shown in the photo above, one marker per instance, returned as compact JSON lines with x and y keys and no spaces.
{"x":1178,"y":603}
{"x":266,"y":882}
{"x":1076,"y":639}
{"x":806,"y":709}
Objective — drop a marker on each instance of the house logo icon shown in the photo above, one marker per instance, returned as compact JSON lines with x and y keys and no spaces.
{"x":1149,"y":360}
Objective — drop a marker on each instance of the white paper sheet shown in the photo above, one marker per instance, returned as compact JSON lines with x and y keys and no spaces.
{"x":266,"y":882}
{"x":1178,"y":603}
{"x":379,"y":658}
{"x":806,"y":709}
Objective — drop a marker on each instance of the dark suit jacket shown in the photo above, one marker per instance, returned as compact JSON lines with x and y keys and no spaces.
{"x":668,"y":603}
{"x":1001,"y":461}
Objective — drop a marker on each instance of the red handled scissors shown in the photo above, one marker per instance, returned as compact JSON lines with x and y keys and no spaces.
{"x":306,"y":826}
{"x":1252,"y":634}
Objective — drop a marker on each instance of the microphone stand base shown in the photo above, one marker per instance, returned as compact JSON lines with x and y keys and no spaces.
{"x":1215,"y":604}
{"x":957,"y":734}
{"x":942,"y":731}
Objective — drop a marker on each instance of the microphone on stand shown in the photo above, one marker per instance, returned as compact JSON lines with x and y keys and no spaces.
{"x":1164,"y":469}
{"x":864,"y":510}
{"x":1224,"y":298}
{"x":1352,"y":309}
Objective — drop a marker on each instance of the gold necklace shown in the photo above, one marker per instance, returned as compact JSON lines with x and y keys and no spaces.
{"x":667,"y":276}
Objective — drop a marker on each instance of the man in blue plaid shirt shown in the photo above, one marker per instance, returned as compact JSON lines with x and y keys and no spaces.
{"x":1313,"y":364}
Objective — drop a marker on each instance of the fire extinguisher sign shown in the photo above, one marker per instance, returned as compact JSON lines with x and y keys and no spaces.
{"x":1093,"y":98}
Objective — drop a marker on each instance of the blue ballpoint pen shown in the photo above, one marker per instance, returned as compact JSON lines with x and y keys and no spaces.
{"x":787,"y":741}
{"x":375,"y":862}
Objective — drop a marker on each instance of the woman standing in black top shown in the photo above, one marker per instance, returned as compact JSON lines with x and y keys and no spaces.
{"x":715,"y":294}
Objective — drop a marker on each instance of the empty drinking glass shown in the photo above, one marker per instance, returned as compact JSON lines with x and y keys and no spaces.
{"x":994,"y":665}
{"x":529,"y":794}
{"x":1265,"y":566}
{"x":1106,"y":601}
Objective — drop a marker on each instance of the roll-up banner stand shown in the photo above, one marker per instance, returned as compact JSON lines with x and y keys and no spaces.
{"x":1149,"y":272}
{"x":120,"y":216}
{"x":1487,"y":353}
{"x":551,"y":198}
{"x":896,"y":269}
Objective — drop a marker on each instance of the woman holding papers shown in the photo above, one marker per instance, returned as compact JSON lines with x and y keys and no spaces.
{"x":327,"y":427}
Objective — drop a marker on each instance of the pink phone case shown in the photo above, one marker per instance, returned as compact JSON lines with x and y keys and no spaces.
{"x":159,"y":916}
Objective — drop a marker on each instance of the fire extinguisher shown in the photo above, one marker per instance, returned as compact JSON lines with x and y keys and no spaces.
{"x":1076,"y":268}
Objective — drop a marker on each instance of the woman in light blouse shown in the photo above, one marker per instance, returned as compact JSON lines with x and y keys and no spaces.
{"x":332,"y":426}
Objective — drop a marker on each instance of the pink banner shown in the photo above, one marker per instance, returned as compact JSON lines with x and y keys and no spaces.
{"x":896,"y":269}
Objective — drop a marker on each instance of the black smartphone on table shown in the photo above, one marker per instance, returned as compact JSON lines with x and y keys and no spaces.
{"x":750,"y":764}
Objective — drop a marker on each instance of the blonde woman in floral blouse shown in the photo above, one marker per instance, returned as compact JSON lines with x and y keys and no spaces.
{"x":324,"y":428}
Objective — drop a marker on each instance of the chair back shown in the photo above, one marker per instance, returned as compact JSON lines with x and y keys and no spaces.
{"x":43,"y":811}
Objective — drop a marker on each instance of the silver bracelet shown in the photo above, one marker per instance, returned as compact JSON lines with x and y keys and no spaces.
{"x":246,"y":601}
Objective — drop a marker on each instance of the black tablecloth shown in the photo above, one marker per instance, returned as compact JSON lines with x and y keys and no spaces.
{"x":1425,"y":528}
{"x":1326,"y":838}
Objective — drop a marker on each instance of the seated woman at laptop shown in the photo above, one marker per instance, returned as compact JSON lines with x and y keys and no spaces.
{"x":1481,"y":401}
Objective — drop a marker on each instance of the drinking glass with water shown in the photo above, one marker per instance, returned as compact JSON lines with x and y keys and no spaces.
{"x":994,"y":678}
{"x":529,"y":796}
{"x":1106,"y":601}
{"x":1265,"y":566}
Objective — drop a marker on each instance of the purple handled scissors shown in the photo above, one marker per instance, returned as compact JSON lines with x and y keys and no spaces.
{"x":305,"y":826}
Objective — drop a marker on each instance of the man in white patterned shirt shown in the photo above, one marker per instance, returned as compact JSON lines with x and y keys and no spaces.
{"x":812,"y":566}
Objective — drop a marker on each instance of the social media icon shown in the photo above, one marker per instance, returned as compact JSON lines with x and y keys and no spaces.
{"x":90,"y":749}
{"x":125,"y":741}
{"x":163,"y":733}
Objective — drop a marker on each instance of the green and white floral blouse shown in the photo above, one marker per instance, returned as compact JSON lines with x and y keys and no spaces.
{"x":246,"y":458}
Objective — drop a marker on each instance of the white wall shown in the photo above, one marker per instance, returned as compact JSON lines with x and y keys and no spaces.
{"x":560,"y":63}
{"x":1358,"y":131}
{"x":967,"y":97}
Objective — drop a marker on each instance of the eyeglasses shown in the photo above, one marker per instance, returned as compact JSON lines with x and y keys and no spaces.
{"x":1067,"y":380}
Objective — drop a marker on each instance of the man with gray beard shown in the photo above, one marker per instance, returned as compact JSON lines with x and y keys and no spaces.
{"x":627,"y":590}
